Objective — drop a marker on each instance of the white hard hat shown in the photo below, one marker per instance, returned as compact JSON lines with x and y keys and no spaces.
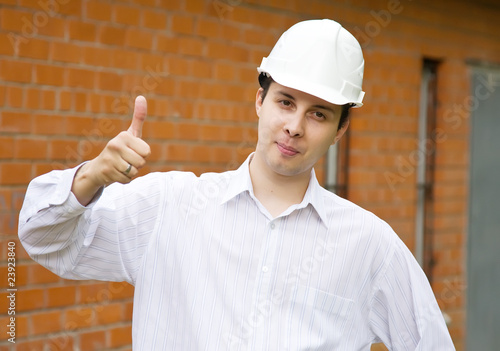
{"x":321,"y":58}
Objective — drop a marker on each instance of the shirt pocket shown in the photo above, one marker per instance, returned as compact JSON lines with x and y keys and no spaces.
{"x":316,"y":319}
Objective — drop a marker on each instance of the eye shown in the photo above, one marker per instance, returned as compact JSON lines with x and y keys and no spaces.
{"x":286,"y":103}
{"x":319,"y":115}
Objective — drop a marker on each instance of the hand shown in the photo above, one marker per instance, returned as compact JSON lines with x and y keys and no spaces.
{"x":120,"y":160}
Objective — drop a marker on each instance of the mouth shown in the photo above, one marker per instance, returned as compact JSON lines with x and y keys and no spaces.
{"x":287,"y":150}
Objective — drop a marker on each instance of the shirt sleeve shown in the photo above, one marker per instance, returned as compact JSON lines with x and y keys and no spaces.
{"x":104,"y":240}
{"x":405,"y":314}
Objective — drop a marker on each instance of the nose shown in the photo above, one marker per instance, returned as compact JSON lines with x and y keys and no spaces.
{"x":294,"y":125}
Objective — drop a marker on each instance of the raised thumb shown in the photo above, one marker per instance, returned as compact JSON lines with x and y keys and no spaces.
{"x":139,"y":116}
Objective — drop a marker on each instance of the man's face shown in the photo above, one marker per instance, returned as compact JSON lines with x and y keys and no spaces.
{"x":295,"y":129}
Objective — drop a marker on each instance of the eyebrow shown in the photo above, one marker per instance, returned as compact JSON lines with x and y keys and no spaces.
{"x":323,"y":107}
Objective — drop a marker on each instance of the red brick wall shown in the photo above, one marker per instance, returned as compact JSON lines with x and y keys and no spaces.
{"x":69,"y":72}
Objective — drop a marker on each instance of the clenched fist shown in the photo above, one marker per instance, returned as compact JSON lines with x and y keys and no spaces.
{"x":119,"y":162}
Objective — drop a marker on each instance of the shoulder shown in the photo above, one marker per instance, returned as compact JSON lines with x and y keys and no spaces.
{"x":339,"y":208}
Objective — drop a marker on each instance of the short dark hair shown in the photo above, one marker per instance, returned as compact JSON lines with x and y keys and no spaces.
{"x":265,"y":81}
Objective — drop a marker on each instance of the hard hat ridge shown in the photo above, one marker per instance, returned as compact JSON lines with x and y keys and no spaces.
{"x":321,"y":58}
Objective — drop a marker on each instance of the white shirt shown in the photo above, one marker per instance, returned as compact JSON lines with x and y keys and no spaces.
{"x":214,"y":271}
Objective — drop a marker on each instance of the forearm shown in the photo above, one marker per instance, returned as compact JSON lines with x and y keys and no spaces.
{"x":83,"y":187}
{"x":104,"y":240}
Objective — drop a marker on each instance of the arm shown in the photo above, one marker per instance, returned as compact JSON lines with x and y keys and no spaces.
{"x":405,"y":314}
{"x":112,"y":164}
{"x":77,"y":241}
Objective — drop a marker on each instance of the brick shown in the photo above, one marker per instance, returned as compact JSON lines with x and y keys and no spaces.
{"x":66,"y":150}
{"x":207,"y":28}
{"x":14,"y":96}
{"x":16,"y":71}
{"x":126,"y":15}
{"x":98,"y":57}
{"x":230,"y":32}
{"x":61,"y":296}
{"x":34,"y":48}
{"x":49,"y":75}
{"x":48,"y":99}
{"x":71,"y":8}
{"x":15,"y":173}
{"x":66,"y":52}
{"x":32,"y":98}
{"x":99,"y":11}
{"x":6,"y":147}
{"x":154,"y":19}
{"x":80,"y":101}
{"x":201,"y":69}
{"x":120,"y":290}
{"x":111,"y":35}
{"x":7,"y":44}
{"x":83,"y":31}
{"x":22,"y":345}
{"x":55,"y":27}
{"x":182,"y":24}
{"x":170,"y":5}
{"x":79,"y":318}
{"x":125,"y":59}
{"x":158,"y":130}
{"x":93,"y":341}
{"x":14,"y":20}
{"x":191,"y":46}
{"x":30,"y":149}
{"x":80,"y":78}
{"x":80,"y":126}
{"x":38,"y":274}
{"x":64,"y":100}
{"x":109,"y":313}
{"x":20,"y":278}
{"x":28,"y":300}
{"x":109,"y":81}
{"x":188,"y":131}
{"x":139,"y":39}
{"x":21,"y":327}
{"x":150,"y":3}
{"x":168,"y":44}
{"x":46,"y":322}
{"x":225,"y":71}
{"x":128,"y":309}
{"x":92,"y":293}
{"x":62,"y":342}
{"x":212,"y":133}
{"x":177,"y":152}
{"x":197,"y":7}
{"x":120,"y":336}
{"x":48,"y":124}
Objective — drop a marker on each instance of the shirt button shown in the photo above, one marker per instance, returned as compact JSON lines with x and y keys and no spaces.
{"x":265,"y":269}
{"x":273,"y":225}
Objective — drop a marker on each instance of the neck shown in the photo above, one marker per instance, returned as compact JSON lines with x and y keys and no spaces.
{"x":275,"y":191}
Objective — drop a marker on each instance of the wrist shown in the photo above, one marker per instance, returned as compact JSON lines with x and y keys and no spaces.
{"x":85,"y":186}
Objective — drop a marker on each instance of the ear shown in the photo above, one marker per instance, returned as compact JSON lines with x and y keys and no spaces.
{"x":341,"y":132}
{"x":258,"y":101}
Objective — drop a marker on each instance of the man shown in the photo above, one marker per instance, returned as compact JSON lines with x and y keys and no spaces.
{"x":260,"y":258}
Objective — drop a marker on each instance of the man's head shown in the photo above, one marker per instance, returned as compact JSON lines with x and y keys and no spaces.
{"x":318,"y":57}
{"x":309,"y":81}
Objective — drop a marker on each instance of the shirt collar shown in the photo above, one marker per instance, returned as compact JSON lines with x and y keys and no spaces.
{"x":240,"y":182}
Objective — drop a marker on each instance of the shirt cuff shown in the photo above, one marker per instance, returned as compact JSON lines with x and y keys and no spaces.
{"x":64,"y":196}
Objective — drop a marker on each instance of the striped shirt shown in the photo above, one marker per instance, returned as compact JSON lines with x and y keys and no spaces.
{"x":213,"y":270}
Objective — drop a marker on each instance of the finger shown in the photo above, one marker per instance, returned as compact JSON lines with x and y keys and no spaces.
{"x":140,"y":111}
{"x":139,"y":147}
{"x":132,"y":157}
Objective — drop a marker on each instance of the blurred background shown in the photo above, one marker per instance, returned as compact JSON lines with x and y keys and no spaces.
{"x":422,"y":153}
